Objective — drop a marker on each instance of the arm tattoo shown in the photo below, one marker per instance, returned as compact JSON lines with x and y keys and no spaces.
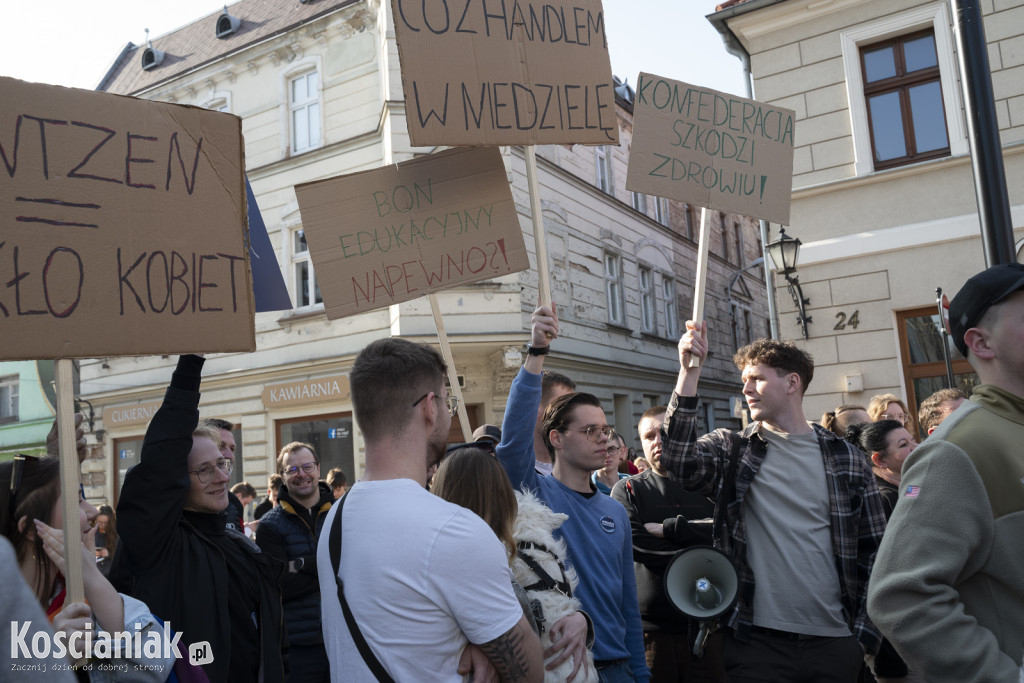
{"x":508,"y":655}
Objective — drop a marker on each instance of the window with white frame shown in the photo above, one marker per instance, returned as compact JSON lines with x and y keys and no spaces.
{"x":613,"y":287}
{"x":647,"y":295}
{"x":668,"y":300}
{"x":661,"y":211}
{"x":306,"y":288}
{"x":603,"y":159}
{"x":9,"y":399}
{"x":901,"y":82}
{"x":639,"y":201}
{"x":304,"y":110}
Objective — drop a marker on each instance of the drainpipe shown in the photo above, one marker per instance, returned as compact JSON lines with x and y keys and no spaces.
{"x":983,"y":133}
{"x":733,"y":47}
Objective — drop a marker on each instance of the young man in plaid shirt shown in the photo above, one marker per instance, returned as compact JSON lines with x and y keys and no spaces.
{"x":797,"y":511}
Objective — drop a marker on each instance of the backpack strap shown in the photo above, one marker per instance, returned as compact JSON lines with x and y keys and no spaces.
{"x":334,"y":543}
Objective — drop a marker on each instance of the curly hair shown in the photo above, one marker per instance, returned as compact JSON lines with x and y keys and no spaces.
{"x":783,"y":356}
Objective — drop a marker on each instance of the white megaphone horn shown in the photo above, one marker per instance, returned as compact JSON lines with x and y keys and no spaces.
{"x":702,"y":583}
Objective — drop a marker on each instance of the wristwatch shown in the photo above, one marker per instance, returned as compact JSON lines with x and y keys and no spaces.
{"x":538,"y":350}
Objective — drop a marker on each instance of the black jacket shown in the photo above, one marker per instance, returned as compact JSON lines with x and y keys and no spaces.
{"x":177,"y":569}
{"x":262,"y":508}
{"x":285,"y":534}
{"x":648,"y":497}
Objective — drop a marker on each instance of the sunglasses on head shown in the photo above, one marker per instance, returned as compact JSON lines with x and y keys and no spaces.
{"x":486,"y":446}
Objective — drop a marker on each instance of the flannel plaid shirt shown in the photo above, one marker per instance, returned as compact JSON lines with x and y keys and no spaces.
{"x":858,"y":519}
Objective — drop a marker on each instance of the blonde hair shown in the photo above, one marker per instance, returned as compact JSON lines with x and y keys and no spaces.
{"x":472,"y":478}
{"x":877,"y":407}
{"x":208,"y":432}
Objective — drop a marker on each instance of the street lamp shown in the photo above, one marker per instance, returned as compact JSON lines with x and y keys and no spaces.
{"x":784,"y":253}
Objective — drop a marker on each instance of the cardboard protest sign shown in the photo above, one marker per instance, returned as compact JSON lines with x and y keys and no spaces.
{"x":711,"y":149}
{"x":268,"y":287}
{"x":123,"y":226}
{"x":508,"y":73}
{"x":396,"y":233}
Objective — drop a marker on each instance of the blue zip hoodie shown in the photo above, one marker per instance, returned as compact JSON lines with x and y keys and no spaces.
{"x":597,"y":534}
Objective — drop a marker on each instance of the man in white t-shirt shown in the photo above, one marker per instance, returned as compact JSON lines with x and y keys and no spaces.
{"x":427,"y":582}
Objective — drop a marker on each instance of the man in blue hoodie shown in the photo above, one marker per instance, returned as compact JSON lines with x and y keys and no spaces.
{"x":597,"y":532}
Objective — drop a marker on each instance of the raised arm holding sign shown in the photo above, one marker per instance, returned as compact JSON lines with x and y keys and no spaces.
{"x":713,"y":150}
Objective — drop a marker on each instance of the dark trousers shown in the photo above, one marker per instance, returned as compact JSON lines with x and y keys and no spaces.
{"x":778,"y":657}
{"x":670,"y":658}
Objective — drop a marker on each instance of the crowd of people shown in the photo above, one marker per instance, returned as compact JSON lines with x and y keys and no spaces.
{"x":540,"y":550}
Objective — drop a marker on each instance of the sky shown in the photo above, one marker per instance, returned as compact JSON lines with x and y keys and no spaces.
{"x":74,"y":42}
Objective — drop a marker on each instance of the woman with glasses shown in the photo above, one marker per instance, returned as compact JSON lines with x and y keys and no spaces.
{"x":890,"y":407}
{"x":32,"y":518}
{"x":210,"y":582}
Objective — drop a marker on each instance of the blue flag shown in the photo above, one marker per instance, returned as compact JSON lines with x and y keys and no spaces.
{"x":268,"y":286}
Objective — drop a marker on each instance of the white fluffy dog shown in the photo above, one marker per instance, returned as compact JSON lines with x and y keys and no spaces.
{"x":550,"y":590}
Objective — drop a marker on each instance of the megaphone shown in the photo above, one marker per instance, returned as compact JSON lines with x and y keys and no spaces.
{"x":702,"y":584}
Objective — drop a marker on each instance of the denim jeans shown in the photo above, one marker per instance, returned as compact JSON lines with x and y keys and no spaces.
{"x":619,"y":672}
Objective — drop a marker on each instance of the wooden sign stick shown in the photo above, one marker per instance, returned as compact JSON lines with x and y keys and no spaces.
{"x":70,"y":478}
{"x":453,"y":377}
{"x":701,"y":278}
{"x":539,"y":239}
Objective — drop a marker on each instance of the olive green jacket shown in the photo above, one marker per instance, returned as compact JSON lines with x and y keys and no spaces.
{"x":947,"y":587}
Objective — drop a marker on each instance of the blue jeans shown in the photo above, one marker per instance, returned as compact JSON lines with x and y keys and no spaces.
{"x":619,"y":672}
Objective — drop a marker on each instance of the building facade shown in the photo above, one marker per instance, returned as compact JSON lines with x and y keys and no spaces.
{"x":27,"y":410}
{"x":318,"y":88}
{"x":883,"y":190}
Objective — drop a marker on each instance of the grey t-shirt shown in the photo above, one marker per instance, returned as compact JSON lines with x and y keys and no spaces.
{"x":790,"y":542}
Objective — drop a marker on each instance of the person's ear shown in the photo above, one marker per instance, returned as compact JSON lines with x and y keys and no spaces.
{"x":555,"y":437}
{"x":977,"y":343}
{"x":27,"y":528}
{"x":794,"y":382}
{"x":876,"y":458}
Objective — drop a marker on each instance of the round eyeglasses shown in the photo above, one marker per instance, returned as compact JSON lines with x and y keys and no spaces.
{"x":206,"y":473}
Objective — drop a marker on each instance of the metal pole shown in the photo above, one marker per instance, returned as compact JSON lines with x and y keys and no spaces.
{"x":733,"y":47}
{"x":983,"y":133}
{"x":950,"y":380}
{"x":769,"y":279}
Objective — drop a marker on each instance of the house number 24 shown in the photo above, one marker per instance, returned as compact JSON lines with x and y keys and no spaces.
{"x":852,"y":320}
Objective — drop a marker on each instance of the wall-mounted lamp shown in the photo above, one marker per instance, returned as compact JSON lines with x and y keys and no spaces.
{"x":784,"y":253}
{"x":90,"y":418}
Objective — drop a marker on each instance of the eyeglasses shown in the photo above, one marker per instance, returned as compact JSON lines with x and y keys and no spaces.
{"x":206,"y":473}
{"x":307,"y":467}
{"x":902,"y":419}
{"x":594,"y":433}
{"x":17,"y":470}
{"x":614,"y":449}
{"x":453,"y":402}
